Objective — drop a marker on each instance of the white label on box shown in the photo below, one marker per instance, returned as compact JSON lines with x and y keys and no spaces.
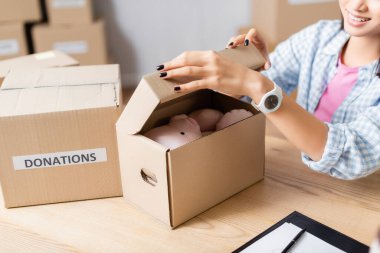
{"x":294,"y":2}
{"x":59,"y":4}
{"x":59,"y":159}
{"x":72,"y":47}
{"x":44,"y":56}
{"x":8,"y":47}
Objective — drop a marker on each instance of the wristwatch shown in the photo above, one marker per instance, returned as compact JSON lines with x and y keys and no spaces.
{"x":271,"y":101}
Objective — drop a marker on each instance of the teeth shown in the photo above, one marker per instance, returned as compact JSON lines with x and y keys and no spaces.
{"x":358,"y":19}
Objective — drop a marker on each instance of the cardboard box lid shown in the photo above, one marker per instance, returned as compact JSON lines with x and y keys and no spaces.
{"x":33,"y":91}
{"x":40,"y":60}
{"x":153,"y":90}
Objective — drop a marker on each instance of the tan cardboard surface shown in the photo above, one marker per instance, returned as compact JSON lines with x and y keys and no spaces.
{"x":248,"y":56}
{"x":278,"y":19}
{"x":69,"y":12}
{"x":139,"y":154}
{"x":38,"y":60}
{"x":84,"y":42}
{"x":156,"y":90}
{"x":20,"y":10}
{"x":198,"y":182}
{"x":59,"y":132}
{"x":12,"y":40}
{"x":59,"y":89}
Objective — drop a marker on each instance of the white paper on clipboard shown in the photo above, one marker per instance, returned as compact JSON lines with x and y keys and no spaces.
{"x":276,"y":241}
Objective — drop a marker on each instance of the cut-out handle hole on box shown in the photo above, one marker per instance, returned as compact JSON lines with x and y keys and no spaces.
{"x":148,"y":177}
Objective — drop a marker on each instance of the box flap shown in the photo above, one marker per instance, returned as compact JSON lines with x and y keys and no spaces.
{"x":59,"y":89}
{"x":153,"y":90}
{"x":246,"y":55}
{"x":21,"y":78}
{"x":40,"y":60}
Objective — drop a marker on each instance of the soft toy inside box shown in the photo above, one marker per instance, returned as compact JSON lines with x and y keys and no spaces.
{"x":174,"y":185}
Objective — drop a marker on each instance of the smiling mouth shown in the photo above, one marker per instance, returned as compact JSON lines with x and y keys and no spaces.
{"x":358,"y":19}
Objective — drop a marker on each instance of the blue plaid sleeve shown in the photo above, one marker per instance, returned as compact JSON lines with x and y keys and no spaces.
{"x":307,"y":60}
{"x":352,"y":149}
{"x":288,"y":57}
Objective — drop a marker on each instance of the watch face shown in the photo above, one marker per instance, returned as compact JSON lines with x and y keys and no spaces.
{"x":271,"y":102}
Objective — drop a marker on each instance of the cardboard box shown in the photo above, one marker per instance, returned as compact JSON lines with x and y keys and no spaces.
{"x":57,"y":135}
{"x":85,"y":43}
{"x":278,"y":19}
{"x":20,"y":10}
{"x":12,"y":40}
{"x":175,"y":185}
{"x":70,"y":12}
{"x":39,"y":60}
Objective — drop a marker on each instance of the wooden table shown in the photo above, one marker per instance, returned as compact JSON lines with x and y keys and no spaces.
{"x":114,"y":225}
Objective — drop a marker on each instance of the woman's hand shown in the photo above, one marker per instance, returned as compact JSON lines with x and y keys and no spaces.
{"x":209,"y":70}
{"x":254,"y":37}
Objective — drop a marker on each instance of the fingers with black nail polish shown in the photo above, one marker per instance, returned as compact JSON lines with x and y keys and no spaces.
{"x":246,"y":42}
{"x":160,"y":67}
{"x":177,"y":88}
{"x":163,"y":74}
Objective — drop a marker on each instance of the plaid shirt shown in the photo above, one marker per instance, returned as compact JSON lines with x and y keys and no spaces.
{"x":308,"y":60}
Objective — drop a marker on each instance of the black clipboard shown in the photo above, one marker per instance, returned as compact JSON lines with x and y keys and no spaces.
{"x":317,"y":229}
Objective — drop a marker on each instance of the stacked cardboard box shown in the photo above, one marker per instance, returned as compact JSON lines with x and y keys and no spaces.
{"x":71,"y":29}
{"x":20,"y":11}
{"x":12,"y":40}
{"x":13,"y":16}
{"x":276,"y":20}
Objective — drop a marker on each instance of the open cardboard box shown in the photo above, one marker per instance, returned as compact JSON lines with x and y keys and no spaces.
{"x":57,"y":134}
{"x":175,"y":185}
{"x":20,"y":11}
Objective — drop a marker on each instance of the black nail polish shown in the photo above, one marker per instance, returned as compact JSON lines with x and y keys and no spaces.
{"x":163,"y":74}
{"x":159,"y":67}
{"x":246,"y":42}
{"x":231,"y":43}
{"x":177,"y":88}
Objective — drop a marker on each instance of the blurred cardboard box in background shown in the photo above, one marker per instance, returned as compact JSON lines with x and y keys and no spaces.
{"x":39,"y":60}
{"x":276,"y":20}
{"x":57,"y":134}
{"x":69,"y":11}
{"x":84,"y":42}
{"x":20,"y":10}
{"x":12,"y":40}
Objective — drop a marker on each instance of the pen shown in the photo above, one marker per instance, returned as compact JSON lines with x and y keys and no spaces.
{"x":292,"y":242}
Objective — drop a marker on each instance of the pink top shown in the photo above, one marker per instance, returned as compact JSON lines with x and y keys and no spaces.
{"x":337,"y":90}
